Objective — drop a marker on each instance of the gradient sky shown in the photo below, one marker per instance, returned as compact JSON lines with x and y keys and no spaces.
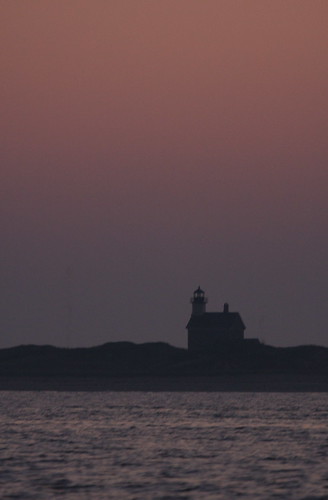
{"x":151,"y":146}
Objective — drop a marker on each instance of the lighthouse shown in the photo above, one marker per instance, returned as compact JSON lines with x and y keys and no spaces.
{"x":208,"y":331}
{"x":198,"y":302}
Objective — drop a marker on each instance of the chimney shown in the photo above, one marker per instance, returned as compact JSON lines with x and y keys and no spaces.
{"x":226,"y":308}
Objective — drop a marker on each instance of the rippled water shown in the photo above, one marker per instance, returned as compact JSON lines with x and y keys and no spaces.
{"x":163,"y":445}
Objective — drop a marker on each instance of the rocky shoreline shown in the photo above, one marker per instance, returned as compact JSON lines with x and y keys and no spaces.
{"x":226,"y":383}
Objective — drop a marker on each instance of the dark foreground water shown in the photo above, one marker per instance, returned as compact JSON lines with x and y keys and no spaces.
{"x":163,"y":445}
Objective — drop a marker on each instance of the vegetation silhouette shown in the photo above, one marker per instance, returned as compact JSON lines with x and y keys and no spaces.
{"x":305,"y":366}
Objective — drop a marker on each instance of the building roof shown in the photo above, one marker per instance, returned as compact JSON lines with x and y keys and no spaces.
{"x":216,"y":320}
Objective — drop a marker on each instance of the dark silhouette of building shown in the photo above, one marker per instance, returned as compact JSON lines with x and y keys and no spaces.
{"x":209,"y":330}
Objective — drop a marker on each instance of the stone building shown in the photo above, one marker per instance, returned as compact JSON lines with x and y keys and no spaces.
{"x":209,"y":330}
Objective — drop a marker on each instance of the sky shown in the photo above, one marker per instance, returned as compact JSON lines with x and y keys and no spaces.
{"x":149,"y":147}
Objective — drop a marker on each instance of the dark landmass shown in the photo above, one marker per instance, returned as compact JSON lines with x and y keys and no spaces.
{"x":160,"y":366}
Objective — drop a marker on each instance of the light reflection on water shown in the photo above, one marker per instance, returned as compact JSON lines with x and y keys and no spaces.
{"x":136,"y":445}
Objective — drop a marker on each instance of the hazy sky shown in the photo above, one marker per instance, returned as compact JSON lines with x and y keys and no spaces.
{"x":151,"y":146}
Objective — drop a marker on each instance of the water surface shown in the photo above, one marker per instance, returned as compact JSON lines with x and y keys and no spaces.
{"x":163,"y":445}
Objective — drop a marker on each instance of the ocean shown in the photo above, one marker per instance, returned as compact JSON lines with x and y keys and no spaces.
{"x":163,"y":445}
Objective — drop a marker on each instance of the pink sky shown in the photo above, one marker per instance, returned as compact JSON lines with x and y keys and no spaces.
{"x":148,"y":147}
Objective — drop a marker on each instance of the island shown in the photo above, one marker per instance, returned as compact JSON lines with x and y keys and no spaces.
{"x":158,"y":366}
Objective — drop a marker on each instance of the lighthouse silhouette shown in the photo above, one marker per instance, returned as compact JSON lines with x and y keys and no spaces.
{"x":210,"y":330}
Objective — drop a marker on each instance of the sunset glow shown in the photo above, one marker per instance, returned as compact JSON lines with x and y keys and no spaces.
{"x":149,"y":147}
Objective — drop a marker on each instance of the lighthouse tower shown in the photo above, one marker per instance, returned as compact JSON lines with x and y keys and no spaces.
{"x":198,"y":302}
